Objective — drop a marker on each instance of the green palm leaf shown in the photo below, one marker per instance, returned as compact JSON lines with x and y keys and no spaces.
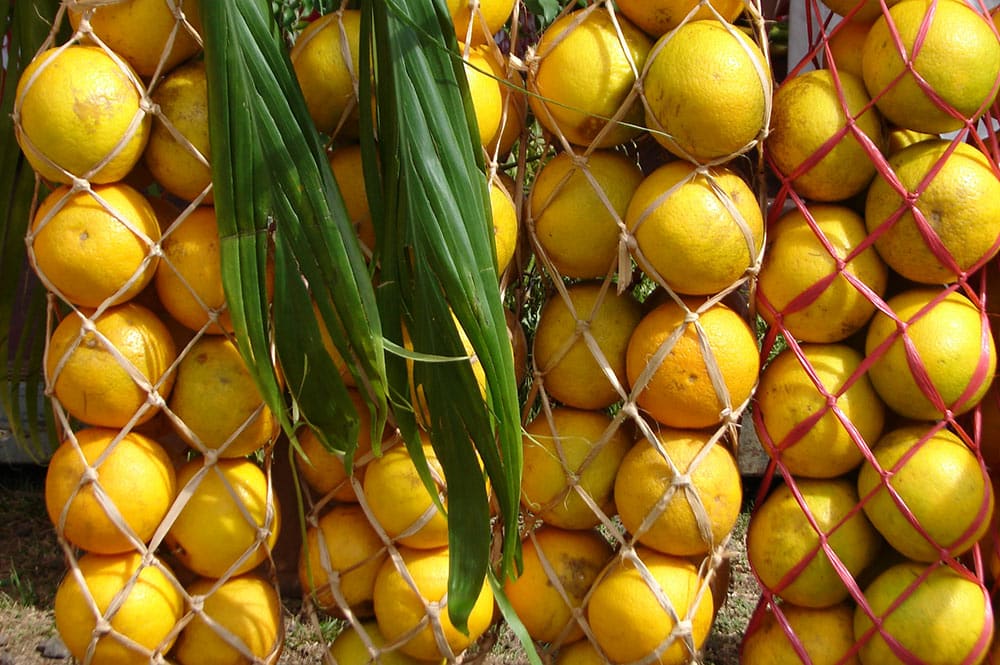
{"x":276,"y":197}
{"x":21,"y":298}
{"x":436,"y":253}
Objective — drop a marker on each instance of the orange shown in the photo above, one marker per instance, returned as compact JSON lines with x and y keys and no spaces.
{"x":324,"y":470}
{"x":582,"y":652}
{"x":678,"y":390}
{"x":826,"y":635}
{"x":345,"y":161}
{"x":940,"y":484}
{"x":949,"y":345}
{"x":230,"y":520}
{"x":246,"y":608}
{"x":957,"y":195}
{"x":515,"y":109}
{"x":145,"y":615}
{"x":658,"y":17}
{"x":560,"y":566}
{"x":340,"y":559}
{"x":477,"y":21}
{"x":583,"y":77}
{"x":482,"y":73}
{"x":88,"y":379}
{"x":707,"y":87}
{"x":326,"y":61}
{"x":399,"y":501}
{"x":77,"y":113}
{"x":934,"y":614}
{"x":900,"y":138}
{"x":189,"y":277}
{"x":400,"y":608}
{"x":868,"y":10}
{"x":566,"y":333}
{"x":217,"y":401}
{"x":949,"y":45}
{"x":94,"y":247}
{"x":696,"y":231}
{"x":141,"y":30}
{"x":806,"y":430}
{"x":570,"y":462}
{"x":784,"y":549}
{"x":179,"y":151}
{"x":351,"y":648}
{"x":682,"y":496}
{"x":505,"y":224}
{"x":629,"y":622}
{"x":846,"y":43}
{"x":809,"y":140}
{"x":813,"y":273}
{"x":577,"y":204}
{"x":134,"y":483}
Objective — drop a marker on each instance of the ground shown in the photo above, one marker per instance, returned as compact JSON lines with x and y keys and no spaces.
{"x":31,"y":565}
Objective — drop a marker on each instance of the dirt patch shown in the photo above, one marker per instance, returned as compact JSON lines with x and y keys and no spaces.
{"x":31,"y":566}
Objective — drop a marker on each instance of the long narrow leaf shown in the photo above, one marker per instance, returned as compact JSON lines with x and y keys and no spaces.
{"x":437,"y":258}
{"x":22,"y":299}
{"x":279,"y":209}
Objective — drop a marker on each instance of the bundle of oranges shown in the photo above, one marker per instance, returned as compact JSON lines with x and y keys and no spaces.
{"x":871,"y":537}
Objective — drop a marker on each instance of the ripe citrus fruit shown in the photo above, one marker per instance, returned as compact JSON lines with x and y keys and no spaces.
{"x":846,"y":43}
{"x":134,"y":481}
{"x":562,"y":350}
{"x":145,"y":616}
{"x":515,"y":110}
{"x":900,"y":138}
{"x":345,"y":161}
{"x":324,"y":470}
{"x":246,"y":607}
{"x":959,"y":204}
{"x":477,"y":22}
{"x":784,"y":547}
{"x":95,"y":246}
{"x":813,"y":273}
{"x":340,"y":559}
{"x":629,"y":622}
{"x":948,"y":45}
{"x":350,"y":648}
{"x":868,"y":10}
{"x":82,"y":364}
{"x":706,"y":86}
{"x":935,"y":614}
{"x":575,"y":454}
{"x":217,"y":400}
{"x":944,"y":340}
{"x":189,"y":277}
{"x":679,"y":390}
{"x":505,"y":224}
{"x":658,"y":17}
{"x":698,"y":232}
{"x":141,"y":30}
{"x":825,"y":634}
{"x":803,"y":425}
{"x":809,"y":139}
{"x":482,"y":72}
{"x":326,"y":61}
{"x":576,"y":205}
{"x":681,"y":497}
{"x":230,"y":521}
{"x":582,"y":652}
{"x":181,"y":163}
{"x":400,"y":609}
{"x":77,"y":107}
{"x":560,"y":566}
{"x":940,"y":484}
{"x":584,"y":74}
{"x":400,"y":502}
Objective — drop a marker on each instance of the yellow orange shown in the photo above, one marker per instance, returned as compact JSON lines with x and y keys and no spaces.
{"x":326,"y":61}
